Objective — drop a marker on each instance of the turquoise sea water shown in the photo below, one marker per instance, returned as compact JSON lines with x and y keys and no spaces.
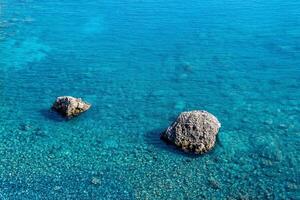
{"x":140,"y":63}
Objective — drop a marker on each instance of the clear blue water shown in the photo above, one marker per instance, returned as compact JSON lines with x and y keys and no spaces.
{"x":140,"y":63}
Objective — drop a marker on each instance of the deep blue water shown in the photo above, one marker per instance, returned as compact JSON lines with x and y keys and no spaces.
{"x":140,"y":63}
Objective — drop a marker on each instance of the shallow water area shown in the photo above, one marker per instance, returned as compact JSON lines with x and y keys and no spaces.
{"x":141,"y":63}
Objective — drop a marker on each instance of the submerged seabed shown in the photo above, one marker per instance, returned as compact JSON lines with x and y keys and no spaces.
{"x":140,"y":63}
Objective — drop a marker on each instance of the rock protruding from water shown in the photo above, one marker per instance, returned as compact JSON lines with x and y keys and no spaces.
{"x":70,"y":106}
{"x":193,"y":131}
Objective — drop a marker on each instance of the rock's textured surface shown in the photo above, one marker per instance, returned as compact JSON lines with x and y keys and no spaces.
{"x":70,"y":106}
{"x":193,"y":131}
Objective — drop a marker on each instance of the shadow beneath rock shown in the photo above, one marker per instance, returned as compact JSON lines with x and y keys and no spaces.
{"x":153,"y":138}
{"x":52,"y":115}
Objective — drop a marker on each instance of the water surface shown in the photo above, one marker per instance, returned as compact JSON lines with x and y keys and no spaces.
{"x":140,"y":63}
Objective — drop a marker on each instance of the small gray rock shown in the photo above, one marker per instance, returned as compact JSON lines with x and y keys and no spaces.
{"x":70,"y":106}
{"x":193,"y":131}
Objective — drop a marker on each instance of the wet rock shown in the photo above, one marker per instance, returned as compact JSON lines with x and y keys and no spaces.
{"x":70,"y":106}
{"x":193,"y":131}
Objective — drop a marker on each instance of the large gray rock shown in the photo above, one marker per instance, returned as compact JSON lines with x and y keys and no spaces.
{"x":70,"y":106}
{"x":193,"y":131}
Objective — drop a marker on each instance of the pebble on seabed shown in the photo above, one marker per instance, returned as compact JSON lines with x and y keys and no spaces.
{"x":95,"y":181}
{"x":57,"y":188}
{"x":268,"y":122}
{"x":214,"y":183}
{"x":24,"y":127}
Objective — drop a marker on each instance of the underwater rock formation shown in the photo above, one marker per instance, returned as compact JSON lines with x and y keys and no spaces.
{"x":193,"y":131}
{"x":70,"y":106}
{"x":18,"y":53}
